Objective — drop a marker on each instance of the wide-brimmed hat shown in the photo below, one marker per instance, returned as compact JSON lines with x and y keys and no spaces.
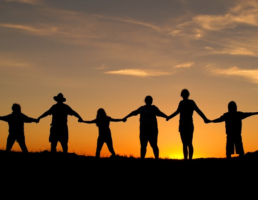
{"x":59,"y":98}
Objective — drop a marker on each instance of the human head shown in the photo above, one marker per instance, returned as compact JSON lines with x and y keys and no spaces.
{"x":185,"y":94}
{"x":232,"y":107}
{"x":59,"y":98}
{"x":101,"y":113}
{"x":148,"y":100}
{"x":16,"y":108}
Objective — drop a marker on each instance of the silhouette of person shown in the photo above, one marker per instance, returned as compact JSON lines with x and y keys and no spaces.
{"x":16,"y":122}
{"x":102,"y":121}
{"x":148,"y":126}
{"x":59,"y":128}
{"x":186,"y":108}
{"x":233,"y":121}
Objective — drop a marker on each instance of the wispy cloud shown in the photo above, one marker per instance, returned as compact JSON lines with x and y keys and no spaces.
{"x":31,"y":29}
{"x":101,"y":67}
{"x":14,"y":64}
{"x":244,"y":13}
{"x":184,"y":65}
{"x":31,"y":2}
{"x":250,"y":74}
{"x":138,"y":72}
{"x":131,"y":21}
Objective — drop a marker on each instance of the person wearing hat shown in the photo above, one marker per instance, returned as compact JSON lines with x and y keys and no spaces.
{"x":59,"y":128}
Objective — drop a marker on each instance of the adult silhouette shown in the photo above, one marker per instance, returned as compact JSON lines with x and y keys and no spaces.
{"x":102,"y":121}
{"x":148,"y":125}
{"x":59,"y":128}
{"x":233,"y":121}
{"x":16,"y":122}
{"x":186,"y":128}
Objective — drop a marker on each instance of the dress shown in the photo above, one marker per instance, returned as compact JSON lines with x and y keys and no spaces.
{"x":104,"y":130}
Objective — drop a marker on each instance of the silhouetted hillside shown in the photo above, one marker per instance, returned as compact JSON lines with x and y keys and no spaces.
{"x":61,"y":175}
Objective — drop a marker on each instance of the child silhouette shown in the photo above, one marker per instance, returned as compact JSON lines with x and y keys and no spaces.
{"x":16,"y":122}
{"x":233,"y":120}
{"x":102,"y":121}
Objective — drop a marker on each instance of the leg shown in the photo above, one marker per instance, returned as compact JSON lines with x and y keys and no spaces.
{"x":184,"y":141}
{"x":110,"y":145}
{"x":229,"y":146}
{"x":239,"y":145}
{"x":154,"y":144}
{"x":64,"y":146}
{"x":144,"y":130}
{"x":100,"y":143}
{"x":63,"y":137}
{"x":190,"y":145}
{"x":22,"y":144}
{"x":191,"y":150}
{"x":9,"y":144}
{"x":185,"y":151}
{"x":144,"y":142}
{"x":53,"y":146}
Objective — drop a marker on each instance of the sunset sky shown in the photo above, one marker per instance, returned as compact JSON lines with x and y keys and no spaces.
{"x":112,"y":53}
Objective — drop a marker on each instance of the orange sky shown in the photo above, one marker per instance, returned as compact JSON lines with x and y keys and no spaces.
{"x":112,"y":54}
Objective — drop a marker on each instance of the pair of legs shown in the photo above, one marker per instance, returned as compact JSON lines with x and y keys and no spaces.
{"x":234,"y":141}
{"x":149,"y":134}
{"x":21,"y":141}
{"x":186,"y":134}
{"x":105,"y":139}
{"x":59,"y":133}
{"x":63,"y":144}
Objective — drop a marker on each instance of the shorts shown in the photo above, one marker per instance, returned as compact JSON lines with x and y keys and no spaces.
{"x":186,"y":133}
{"x":59,"y":133}
{"x":16,"y":137}
{"x":234,"y":140}
{"x":148,"y":133}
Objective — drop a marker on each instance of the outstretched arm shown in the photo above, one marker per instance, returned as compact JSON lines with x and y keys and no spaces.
{"x":88,"y":122}
{"x":44,"y":115}
{"x":175,"y":113}
{"x":202,"y":115}
{"x":134,"y":113}
{"x":4,"y":118}
{"x":221,"y":119}
{"x":161,"y":114}
{"x":116,"y":120}
{"x":76,"y":115}
{"x":245,"y":115}
{"x":27,"y":119}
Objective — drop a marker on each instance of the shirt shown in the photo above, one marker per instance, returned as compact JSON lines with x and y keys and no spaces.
{"x":233,"y":122}
{"x":59,"y":113}
{"x":16,"y":122}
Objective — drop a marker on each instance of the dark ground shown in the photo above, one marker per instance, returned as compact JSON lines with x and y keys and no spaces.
{"x":59,"y":176}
